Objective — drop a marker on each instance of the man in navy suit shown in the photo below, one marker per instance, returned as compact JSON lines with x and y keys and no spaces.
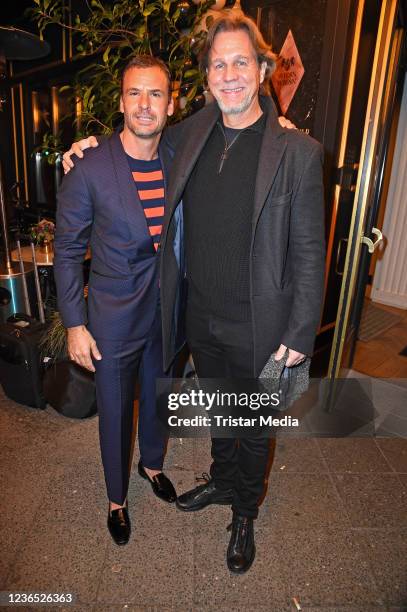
{"x":113,"y":201}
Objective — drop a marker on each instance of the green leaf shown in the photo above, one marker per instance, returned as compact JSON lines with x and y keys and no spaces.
{"x":106,"y":55}
{"x":192,"y":93}
{"x":191,"y":73}
{"x":150,"y":9}
{"x":86,"y":97}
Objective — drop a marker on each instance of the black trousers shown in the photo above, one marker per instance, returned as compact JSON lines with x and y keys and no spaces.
{"x":224,"y":349}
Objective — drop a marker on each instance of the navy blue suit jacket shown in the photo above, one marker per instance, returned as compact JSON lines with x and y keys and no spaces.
{"x":98,"y":204}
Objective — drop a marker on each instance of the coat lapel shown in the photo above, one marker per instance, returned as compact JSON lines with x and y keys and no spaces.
{"x":166,"y":163}
{"x":189,"y":150}
{"x":186,"y":155}
{"x":271,"y":153}
{"x":132,"y":206}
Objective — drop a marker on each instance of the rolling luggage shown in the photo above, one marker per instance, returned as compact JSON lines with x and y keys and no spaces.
{"x":20,"y":361}
{"x":20,"y":355}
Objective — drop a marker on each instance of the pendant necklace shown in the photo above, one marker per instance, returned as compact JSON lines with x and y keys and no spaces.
{"x":225,"y":151}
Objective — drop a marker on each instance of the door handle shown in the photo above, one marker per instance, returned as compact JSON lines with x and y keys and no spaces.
{"x":372,"y":246}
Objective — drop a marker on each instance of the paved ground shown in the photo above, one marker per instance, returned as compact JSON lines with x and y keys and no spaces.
{"x":331,"y":533}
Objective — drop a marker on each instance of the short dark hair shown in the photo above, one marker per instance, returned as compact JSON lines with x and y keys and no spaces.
{"x":147,"y":61}
{"x":230,"y":21}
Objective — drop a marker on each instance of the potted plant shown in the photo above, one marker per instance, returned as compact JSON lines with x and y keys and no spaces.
{"x":43,"y":234}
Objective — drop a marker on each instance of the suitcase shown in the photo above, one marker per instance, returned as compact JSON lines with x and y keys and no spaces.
{"x":20,"y":361}
{"x":70,"y":390}
{"x":20,"y":356}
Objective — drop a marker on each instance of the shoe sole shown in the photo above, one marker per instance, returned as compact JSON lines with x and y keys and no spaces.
{"x":196,"y":508}
{"x":123,"y":543}
{"x":235,"y":571}
{"x":167,"y":501}
{"x":120,"y":543}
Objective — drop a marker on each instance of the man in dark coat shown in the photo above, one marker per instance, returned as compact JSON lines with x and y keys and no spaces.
{"x":250,"y":267}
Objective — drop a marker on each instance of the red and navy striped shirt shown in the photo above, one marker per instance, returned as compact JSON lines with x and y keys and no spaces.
{"x":149,"y":180}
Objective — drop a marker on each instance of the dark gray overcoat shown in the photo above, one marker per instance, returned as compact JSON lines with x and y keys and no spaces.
{"x":287,"y":250}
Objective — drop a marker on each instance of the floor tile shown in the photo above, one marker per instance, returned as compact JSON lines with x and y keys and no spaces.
{"x":298,"y":456}
{"x":336,"y":608}
{"x":395,"y":451}
{"x":22,"y":425}
{"x":403,"y":479}
{"x":202,"y":455}
{"x":152,"y":579}
{"x":61,"y":608}
{"x":125,"y":607}
{"x":242,"y":607}
{"x":386,"y":551}
{"x":327,"y":567}
{"x":301,"y":501}
{"x":78,"y":495}
{"x":180,"y":453}
{"x":352,"y":455}
{"x":21,"y":496}
{"x":60,"y":558}
{"x":373,"y":500}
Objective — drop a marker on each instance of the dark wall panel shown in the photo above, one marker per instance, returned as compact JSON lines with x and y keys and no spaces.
{"x":306,"y":20}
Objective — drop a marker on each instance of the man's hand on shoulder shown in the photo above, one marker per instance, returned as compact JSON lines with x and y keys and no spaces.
{"x":286,"y":123}
{"x":82,"y":347}
{"x":77,"y":148}
{"x":294,"y":357}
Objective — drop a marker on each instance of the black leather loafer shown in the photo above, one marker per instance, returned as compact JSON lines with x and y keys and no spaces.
{"x":118,"y":522}
{"x":241,"y":549}
{"x":161,"y":485}
{"x":203,"y":496}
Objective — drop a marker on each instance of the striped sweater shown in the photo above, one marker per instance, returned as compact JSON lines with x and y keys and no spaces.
{"x":149,"y":180}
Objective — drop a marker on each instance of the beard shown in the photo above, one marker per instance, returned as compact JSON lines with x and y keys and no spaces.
{"x":235,"y":109}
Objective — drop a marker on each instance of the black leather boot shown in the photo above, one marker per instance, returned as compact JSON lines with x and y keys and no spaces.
{"x":203,"y":496}
{"x":241,"y":549}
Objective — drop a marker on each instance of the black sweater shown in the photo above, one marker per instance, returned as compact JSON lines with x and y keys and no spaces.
{"x":218,"y":210}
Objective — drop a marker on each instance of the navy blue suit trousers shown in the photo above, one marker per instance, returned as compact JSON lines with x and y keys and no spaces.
{"x":116,"y":373}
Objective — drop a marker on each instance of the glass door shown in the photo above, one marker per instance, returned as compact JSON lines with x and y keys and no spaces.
{"x":366,"y":185}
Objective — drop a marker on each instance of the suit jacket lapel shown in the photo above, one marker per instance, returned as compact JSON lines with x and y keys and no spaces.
{"x":271,"y":153}
{"x":132,"y":206}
